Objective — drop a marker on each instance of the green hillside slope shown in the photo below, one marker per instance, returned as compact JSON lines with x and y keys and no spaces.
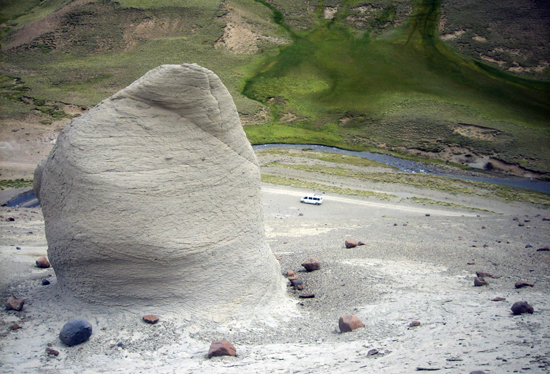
{"x":354,"y":74}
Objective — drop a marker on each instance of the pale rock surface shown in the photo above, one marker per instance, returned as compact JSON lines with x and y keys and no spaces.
{"x":171,"y":143}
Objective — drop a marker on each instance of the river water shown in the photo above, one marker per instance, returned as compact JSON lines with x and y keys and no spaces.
{"x":409,"y":166}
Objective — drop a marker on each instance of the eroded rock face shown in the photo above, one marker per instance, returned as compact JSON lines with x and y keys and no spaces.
{"x":153,"y":197}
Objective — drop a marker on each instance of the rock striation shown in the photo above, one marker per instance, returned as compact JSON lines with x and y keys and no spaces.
{"x":153,"y":198}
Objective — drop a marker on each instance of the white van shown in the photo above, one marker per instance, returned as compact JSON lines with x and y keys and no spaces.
{"x":312,"y":199}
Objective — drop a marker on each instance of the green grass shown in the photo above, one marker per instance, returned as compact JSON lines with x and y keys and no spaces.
{"x":154,"y":4}
{"x":426,"y":201}
{"x":298,"y":183}
{"x":408,"y":83}
{"x":15,"y":183}
{"x":328,"y":157}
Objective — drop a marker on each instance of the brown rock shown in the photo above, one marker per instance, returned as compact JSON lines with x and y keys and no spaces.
{"x":521,"y":224}
{"x":13,"y":303}
{"x":43,"y":262}
{"x":521,"y":284}
{"x":151,"y":318}
{"x":350,"y":243}
{"x":515,"y":219}
{"x":479,"y":281}
{"x":543,"y":249}
{"x":520,"y":307}
{"x":360,"y":242}
{"x":414,"y":324}
{"x":349,"y":323}
{"x":221,"y":348}
{"x":290,"y":273}
{"x":499,"y":299}
{"x":52,"y":352}
{"x":16,"y":326}
{"x":546,"y":218}
{"x":312,"y":264}
{"x":306,"y":296}
{"x":299,"y":287}
{"x":293,"y":278}
{"x":483,"y":274}
{"x":470,"y":263}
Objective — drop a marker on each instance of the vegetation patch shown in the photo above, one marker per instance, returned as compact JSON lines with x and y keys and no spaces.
{"x":15,"y":183}
{"x":299,"y":183}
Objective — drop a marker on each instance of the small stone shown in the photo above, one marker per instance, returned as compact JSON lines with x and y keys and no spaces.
{"x":312,"y":264}
{"x":221,"y":348}
{"x":299,"y":287}
{"x":515,"y":219}
{"x":290,"y":273}
{"x":151,"y":318}
{"x":350,"y":243}
{"x":526,"y":220}
{"x":395,"y":224}
{"x":543,"y":249}
{"x":52,"y":352}
{"x":306,"y":296}
{"x":13,"y":303}
{"x":349,"y":323}
{"x":76,"y":331}
{"x":520,"y":307}
{"x":521,"y":284}
{"x":483,"y":227}
{"x":372,"y":352}
{"x":477,"y":372}
{"x":16,"y":326}
{"x":10,"y":219}
{"x":405,"y":224}
{"x":294,"y":277}
{"x":296,"y":282}
{"x":479,"y":281}
{"x":428,"y":214}
{"x":414,"y":324}
{"x":360,"y":242}
{"x":546,"y":218}
{"x":470,"y":263}
{"x":528,"y":246}
{"x":45,"y":282}
{"x":18,"y":248}
{"x":521,"y":224}
{"x":43,"y":263}
{"x":499,"y":299}
{"x":483,"y":274}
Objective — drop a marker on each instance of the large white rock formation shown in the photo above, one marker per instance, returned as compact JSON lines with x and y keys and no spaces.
{"x":153,"y":198}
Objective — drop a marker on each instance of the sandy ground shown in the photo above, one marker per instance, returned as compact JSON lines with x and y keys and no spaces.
{"x":414,"y":266}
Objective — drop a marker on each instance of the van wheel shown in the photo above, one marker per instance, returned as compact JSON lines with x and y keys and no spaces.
{"x":316,"y":203}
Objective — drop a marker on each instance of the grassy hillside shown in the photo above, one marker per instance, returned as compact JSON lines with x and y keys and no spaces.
{"x":354,"y":74}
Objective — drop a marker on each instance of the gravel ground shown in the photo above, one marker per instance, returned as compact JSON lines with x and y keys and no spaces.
{"x":414,"y":266}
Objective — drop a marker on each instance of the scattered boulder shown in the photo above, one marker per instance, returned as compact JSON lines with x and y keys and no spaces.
{"x":151,"y":318}
{"x":546,"y":218}
{"x":360,"y":242}
{"x":13,"y":303}
{"x":521,"y":284}
{"x":296,"y":282}
{"x":221,"y":348}
{"x":16,"y":326}
{"x":306,"y":296}
{"x":350,"y":243}
{"x":75,"y":332}
{"x":312,"y":264}
{"x":543,"y":249}
{"x":45,"y":282}
{"x":290,"y":273}
{"x":172,"y":134}
{"x":521,"y":307}
{"x":477,"y":372}
{"x":479,"y":281}
{"x":43,"y":263}
{"x":521,"y":224}
{"x":414,"y":324}
{"x":299,"y":287}
{"x":372,"y":352}
{"x":499,"y":299}
{"x":349,"y":323}
{"x":52,"y":352}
